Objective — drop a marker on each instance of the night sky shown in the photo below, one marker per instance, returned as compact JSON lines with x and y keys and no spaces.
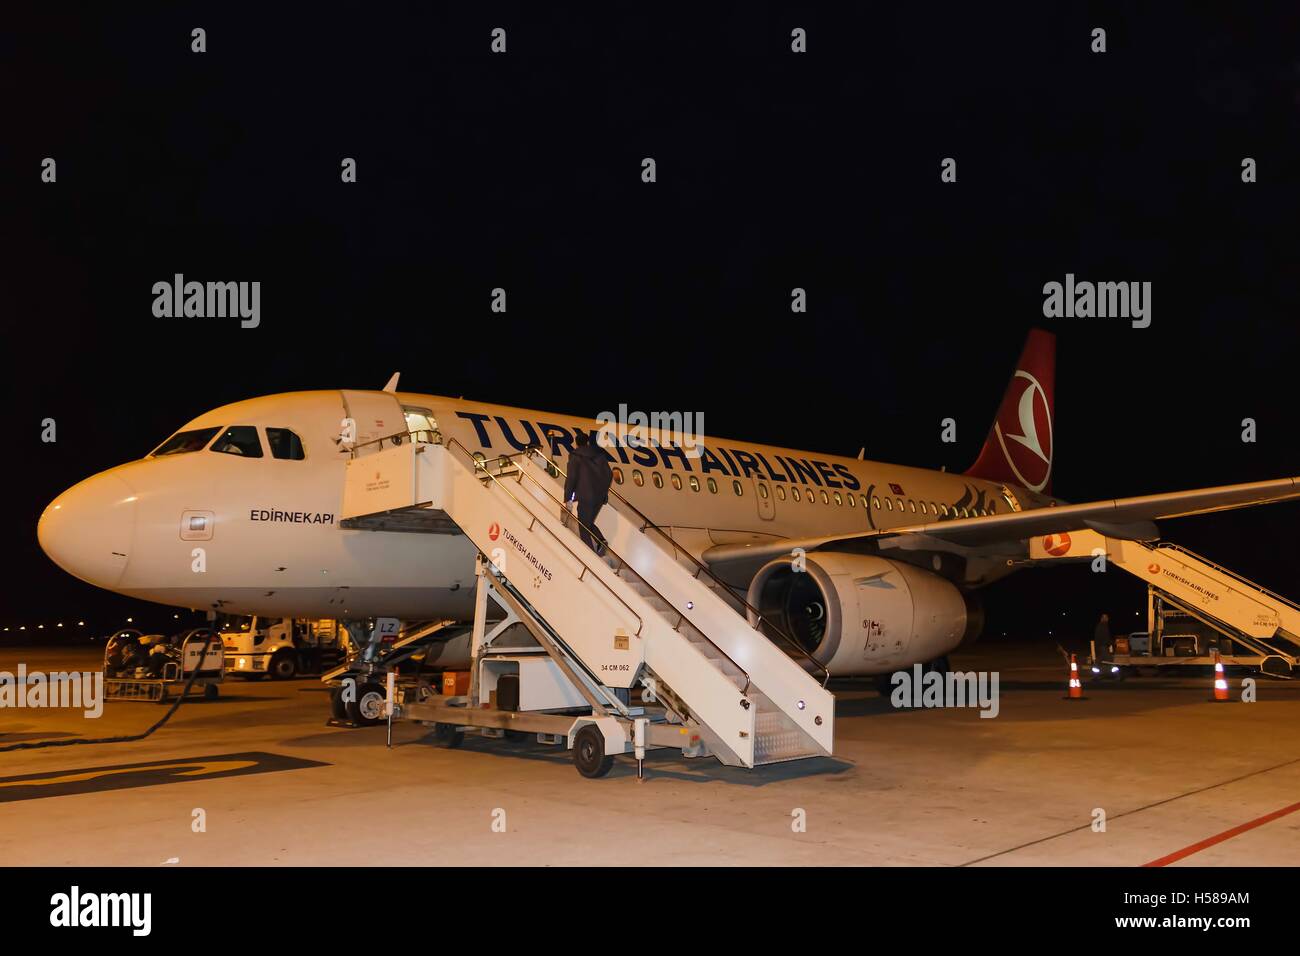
{"x":775,"y":170}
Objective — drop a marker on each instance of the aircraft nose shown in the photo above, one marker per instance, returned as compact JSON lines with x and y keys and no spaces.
{"x":87,"y":530}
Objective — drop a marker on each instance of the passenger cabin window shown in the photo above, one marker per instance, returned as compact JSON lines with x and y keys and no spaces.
{"x":618,"y":476}
{"x":657,"y":478}
{"x":239,"y":440}
{"x":695,"y":483}
{"x":284,"y":444}
{"x":795,"y":493}
{"x":677,"y":482}
{"x":735,"y":486}
{"x":195,"y":439}
{"x":713,"y":486}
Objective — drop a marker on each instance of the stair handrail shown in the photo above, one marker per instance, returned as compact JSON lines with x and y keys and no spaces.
{"x":1241,"y":578}
{"x":702,"y":568}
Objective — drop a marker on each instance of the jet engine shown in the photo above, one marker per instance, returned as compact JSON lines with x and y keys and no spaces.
{"x":862,"y":614}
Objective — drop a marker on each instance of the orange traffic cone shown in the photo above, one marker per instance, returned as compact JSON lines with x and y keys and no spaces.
{"x":1220,"y":680}
{"x":1076,"y":685}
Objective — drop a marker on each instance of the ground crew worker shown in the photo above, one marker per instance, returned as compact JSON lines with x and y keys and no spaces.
{"x":1101,"y":638}
{"x":587,"y":487}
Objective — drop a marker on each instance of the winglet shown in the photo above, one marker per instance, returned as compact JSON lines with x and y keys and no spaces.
{"x":392,"y":382}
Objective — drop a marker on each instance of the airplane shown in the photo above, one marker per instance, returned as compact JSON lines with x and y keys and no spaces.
{"x":258,"y":484}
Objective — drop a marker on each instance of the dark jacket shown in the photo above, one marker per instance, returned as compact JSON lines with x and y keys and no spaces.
{"x":1101,"y":634}
{"x":589,"y":476}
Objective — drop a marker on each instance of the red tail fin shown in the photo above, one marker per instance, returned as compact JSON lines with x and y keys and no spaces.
{"x":1019,"y":447}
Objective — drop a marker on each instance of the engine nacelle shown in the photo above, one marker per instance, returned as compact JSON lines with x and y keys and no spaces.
{"x":860,"y":614}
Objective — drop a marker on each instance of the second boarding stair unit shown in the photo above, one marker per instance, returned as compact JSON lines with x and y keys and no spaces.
{"x":647,"y":615}
{"x":1265,"y":624}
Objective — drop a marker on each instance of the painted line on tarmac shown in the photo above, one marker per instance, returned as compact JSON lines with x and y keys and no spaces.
{"x":1125,"y":813}
{"x":1220,"y":837}
{"x":128,"y":776}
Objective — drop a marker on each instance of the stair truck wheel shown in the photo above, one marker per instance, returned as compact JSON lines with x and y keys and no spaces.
{"x":589,"y":752}
{"x":368,"y":709}
{"x":210,"y":692}
{"x":446,"y":735}
{"x":283,"y":666}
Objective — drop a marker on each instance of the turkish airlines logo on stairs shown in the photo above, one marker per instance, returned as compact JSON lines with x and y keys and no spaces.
{"x":1056,"y":544}
{"x":494,"y":531}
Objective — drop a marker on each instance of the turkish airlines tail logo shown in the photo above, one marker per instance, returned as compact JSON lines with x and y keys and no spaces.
{"x":1018,"y":449}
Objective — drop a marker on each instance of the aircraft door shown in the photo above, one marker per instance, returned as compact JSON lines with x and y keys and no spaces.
{"x":373,"y":415}
{"x":764,"y":495}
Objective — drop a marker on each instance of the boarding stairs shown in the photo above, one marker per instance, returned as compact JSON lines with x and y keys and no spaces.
{"x":1262,"y":620}
{"x":646,"y":615}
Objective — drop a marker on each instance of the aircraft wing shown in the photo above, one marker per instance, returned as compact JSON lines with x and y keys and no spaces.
{"x":1130,"y":518}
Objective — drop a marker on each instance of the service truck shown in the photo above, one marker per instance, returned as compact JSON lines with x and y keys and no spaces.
{"x":282,"y":647}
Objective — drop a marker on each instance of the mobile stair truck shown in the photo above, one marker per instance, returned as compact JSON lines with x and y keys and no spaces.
{"x":1194,"y":607}
{"x":649,"y":617}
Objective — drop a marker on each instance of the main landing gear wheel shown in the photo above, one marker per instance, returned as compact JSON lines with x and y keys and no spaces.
{"x":589,"y":752}
{"x":446,"y":735}
{"x":368,"y":709}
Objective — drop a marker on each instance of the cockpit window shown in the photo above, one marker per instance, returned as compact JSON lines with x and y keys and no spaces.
{"x":284,"y":444}
{"x":239,"y":440}
{"x":193,"y":440}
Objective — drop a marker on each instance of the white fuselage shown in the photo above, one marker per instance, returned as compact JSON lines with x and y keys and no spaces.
{"x":260,"y":535}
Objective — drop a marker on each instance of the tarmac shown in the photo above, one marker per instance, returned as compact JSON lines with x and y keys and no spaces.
{"x":1144,"y":771}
